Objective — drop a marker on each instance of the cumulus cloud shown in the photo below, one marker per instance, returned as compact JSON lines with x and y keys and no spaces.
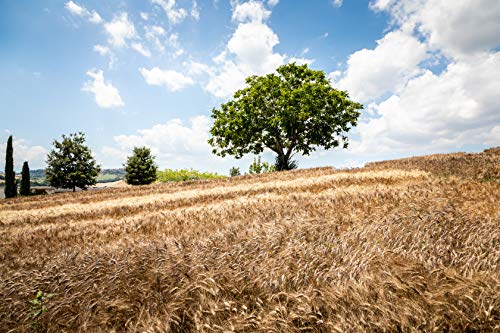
{"x":301,"y":61}
{"x":175,"y":144}
{"x":81,"y":11}
{"x":170,"y":79}
{"x":437,"y":112}
{"x":272,"y":3}
{"x":249,"y":51}
{"x":120,"y":29}
{"x":459,"y":27}
{"x":385,"y":68}
{"x":253,"y":11}
{"x":23,"y":151}
{"x":175,"y":15}
{"x":413,"y":109}
{"x":106,"y":95}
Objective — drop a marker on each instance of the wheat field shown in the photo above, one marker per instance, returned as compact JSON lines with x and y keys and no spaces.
{"x":406,"y":245}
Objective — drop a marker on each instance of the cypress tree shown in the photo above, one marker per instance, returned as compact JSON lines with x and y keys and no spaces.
{"x":10,"y":175}
{"x":25,"y":180}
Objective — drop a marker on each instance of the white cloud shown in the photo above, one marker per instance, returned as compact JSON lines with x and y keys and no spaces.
{"x":141,"y":49}
{"x":144,"y":16}
{"x":105,"y":51}
{"x":195,"y":11}
{"x":106,"y":95}
{"x":95,"y":17}
{"x":253,"y":44}
{"x":75,"y":9}
{"x":437,"y":112}
{"x":386,"y":68}
{"x":301,"y":61}
{"x":250,"y":51}
{"x":23,"y":151}
{"x":272,"y":3}
{"x":175,"y":15}
{"x":252,"y":11}
{"x":333,"y":76}
{"x":154,"y":34}
{"x":337,"y":3}
{"x":102,"y":50}
{"x":175,"y":144}
{"x":170,"y":79}
{"x":81,"y":11}
{"x":460,"y":27}
{"x":120,"y":29}
{"x":197,"y":68}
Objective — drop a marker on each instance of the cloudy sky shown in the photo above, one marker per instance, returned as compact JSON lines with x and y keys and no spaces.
{"x":148,"y":72}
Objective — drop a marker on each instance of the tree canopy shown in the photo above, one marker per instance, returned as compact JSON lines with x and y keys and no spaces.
{"x":140,"y":168}
{"x":292,"y":111}
{"x":71,"y":164}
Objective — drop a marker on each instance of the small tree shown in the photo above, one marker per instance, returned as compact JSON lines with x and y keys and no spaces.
{"x":10,"y":175}
{"x":234,"y":171}
{"x":260,"y":167}
{"x":140,"y":168}
{"x":25,"y":180}
{"x":293,"y":111}
{"x":71,"y":164}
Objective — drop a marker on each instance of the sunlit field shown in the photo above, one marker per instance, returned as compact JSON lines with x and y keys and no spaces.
{"x":406,"y":245}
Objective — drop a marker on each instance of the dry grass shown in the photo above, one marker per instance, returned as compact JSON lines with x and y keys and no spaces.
{"x":391,"y":247}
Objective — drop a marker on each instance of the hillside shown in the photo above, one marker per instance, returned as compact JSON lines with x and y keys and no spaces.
{"x":405,"y":245}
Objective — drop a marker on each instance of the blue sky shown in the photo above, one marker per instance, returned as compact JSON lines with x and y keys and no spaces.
{"x":149,"y":72}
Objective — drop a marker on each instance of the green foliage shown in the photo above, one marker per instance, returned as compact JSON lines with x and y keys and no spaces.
{"x":293,"y":111}
{"x":171,"y":175}
{"x":140,"y":168}
{"x":25,"y":180}
{"x":38,"y":308}
{"x":234,"y":171}
{"x":260,"y":167}
{"x":71,"y":164}
{"x":10,"y":175}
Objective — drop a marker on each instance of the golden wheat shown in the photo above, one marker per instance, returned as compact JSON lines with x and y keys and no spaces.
{"x":407,"y":245}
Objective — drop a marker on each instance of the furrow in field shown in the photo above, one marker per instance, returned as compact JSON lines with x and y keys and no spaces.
{"x":171,"y":200}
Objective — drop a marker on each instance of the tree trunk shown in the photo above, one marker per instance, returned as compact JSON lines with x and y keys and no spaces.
{"x":74,"y":188}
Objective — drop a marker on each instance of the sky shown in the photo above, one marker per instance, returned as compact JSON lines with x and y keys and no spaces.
{"x":148,"y":73}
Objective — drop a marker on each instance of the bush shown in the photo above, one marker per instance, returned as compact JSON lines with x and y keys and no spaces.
{"x":234,"y":171}
{"x":172,"y":175}
{"x":260,"y":167}
{"x":140,"y":168}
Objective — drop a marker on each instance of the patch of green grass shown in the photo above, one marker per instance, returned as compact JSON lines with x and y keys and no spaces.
{"x":172,"y":175}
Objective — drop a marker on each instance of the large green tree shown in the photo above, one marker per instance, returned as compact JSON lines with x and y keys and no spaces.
{"x":71,"y":164}
{"x":292,"y":111}
{"x":140,"y":168}
{"x":10,"y":175}
{"x":25,"y":180}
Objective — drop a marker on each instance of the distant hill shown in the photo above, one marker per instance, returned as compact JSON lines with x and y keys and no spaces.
{"x":38,"y":176}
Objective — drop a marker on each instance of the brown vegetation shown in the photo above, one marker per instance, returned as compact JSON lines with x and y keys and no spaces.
{"x":391,"y":247}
